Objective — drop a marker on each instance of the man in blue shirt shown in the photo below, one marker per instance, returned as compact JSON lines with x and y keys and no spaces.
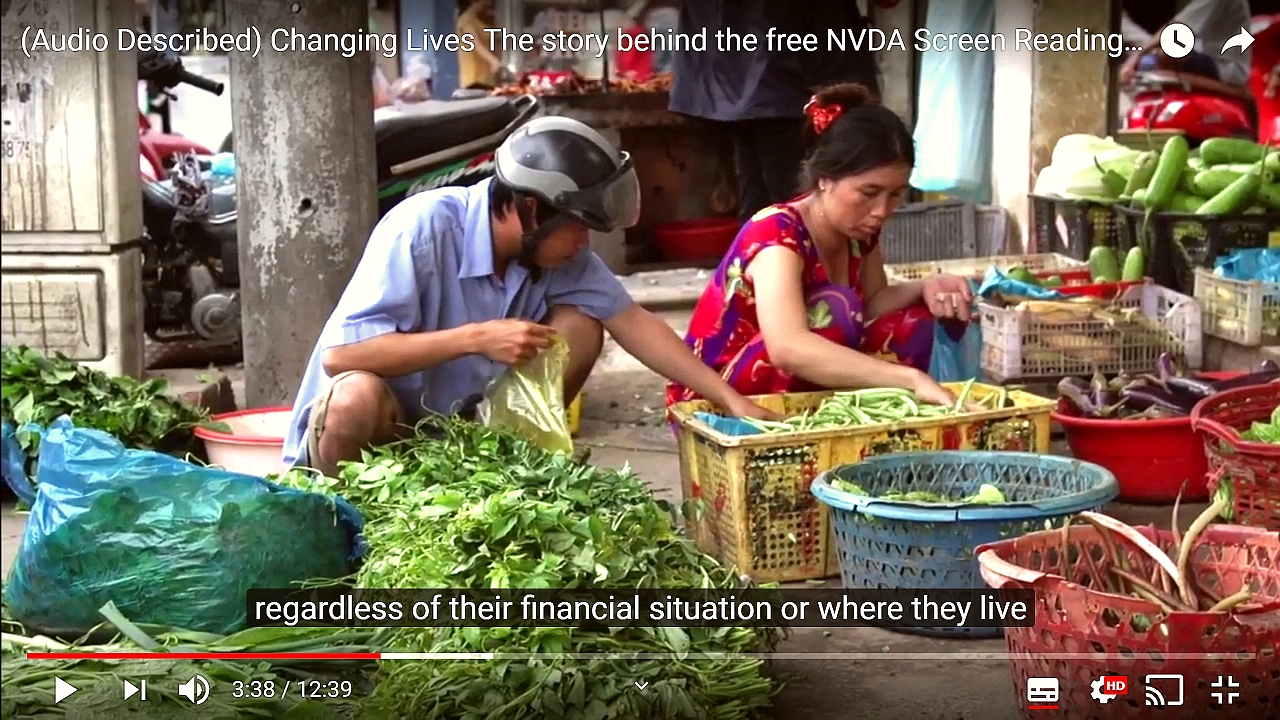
{"x":458,"y":284}
{"x":759,"y":96}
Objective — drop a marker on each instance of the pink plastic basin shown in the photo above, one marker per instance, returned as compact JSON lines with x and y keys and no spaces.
{"x":255,"y":443}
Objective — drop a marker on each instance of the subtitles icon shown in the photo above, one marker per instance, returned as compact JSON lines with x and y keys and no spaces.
{"x":196,"y":690}
{"x":1042,"y":693}
{"x":1156,"y":698}
{"x":1109,"y":687}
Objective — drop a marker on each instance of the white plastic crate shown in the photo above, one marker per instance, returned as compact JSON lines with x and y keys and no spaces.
{"x":976,"y":268}
{"x":1053,"y":339}
{"x":1243,"y":312}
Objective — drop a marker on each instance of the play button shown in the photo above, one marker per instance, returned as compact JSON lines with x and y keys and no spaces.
{"x":62,"y":689}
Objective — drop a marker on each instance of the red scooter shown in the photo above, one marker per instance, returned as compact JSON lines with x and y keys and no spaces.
{"x":158,"y":150}
{"x":1193,"y":105}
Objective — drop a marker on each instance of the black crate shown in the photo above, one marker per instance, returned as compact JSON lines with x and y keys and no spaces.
{"x":1178,"y":243}
{"x":1073,"y":227}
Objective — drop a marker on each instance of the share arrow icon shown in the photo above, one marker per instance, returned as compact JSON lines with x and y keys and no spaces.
{"x":1241,"y":40}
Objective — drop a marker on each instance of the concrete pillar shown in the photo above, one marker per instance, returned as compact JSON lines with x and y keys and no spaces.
{"x":70,"y":199}
{"x":1042,"y":96}
{"x":306,"y":182}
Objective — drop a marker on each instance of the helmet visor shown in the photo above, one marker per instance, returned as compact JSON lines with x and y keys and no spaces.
{"x":613,"y":204}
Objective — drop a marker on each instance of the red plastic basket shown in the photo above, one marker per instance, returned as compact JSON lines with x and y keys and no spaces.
{"x":1082,"y":633}
{"x":1080,"y":282}
{"x":1171,"y":457}
{"x":1252,"y":468}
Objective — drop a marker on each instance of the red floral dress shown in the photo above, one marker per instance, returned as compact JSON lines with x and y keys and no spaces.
{"x":725,"y":331}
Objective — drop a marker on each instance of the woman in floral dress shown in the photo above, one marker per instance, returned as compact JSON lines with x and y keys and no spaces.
{"x":801,"y":301}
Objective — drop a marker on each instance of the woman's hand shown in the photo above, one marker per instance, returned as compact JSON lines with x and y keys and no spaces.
{"x":926,"y":389}
{"x":948,"y":296}
{"x":739,"y":406}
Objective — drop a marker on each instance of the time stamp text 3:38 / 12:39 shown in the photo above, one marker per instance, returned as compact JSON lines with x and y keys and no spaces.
{"x":303,"y":689}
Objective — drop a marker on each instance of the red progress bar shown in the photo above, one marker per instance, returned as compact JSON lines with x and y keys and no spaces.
{"x":202,"y":656}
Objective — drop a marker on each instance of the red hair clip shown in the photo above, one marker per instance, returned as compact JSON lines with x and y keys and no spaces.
{"x":821,"y":116}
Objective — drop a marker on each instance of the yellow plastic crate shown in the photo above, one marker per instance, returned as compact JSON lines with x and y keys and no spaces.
{"x":759,"y":515}
{"x":976,"y":268}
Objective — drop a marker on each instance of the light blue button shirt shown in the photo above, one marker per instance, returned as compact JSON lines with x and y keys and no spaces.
{"x":429,"y":266}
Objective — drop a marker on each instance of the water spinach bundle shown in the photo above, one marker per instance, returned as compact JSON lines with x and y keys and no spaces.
{"x":39,"y":389}
{"x":460,"y":506}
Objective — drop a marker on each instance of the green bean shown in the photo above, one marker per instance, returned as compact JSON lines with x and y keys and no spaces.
{"x":964,"y":395}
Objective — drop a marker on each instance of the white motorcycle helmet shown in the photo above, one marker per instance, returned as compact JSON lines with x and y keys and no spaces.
{"x":574,"y":170}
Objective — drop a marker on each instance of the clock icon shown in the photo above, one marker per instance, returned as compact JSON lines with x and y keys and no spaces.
{"x":1177,"y":40}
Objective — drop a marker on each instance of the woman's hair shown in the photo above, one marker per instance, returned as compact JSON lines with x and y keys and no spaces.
{"x":848,"y":133}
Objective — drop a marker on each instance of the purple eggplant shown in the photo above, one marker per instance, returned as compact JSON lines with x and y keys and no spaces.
{"x":1166,"y":366}
{"x":1100,"y":392}
{"x":1077,"y":392}
{"x":1142,"y":398}
{"x":1269,"y":366}
{"x":1190,"y":386}
{"x":1258,"y":378}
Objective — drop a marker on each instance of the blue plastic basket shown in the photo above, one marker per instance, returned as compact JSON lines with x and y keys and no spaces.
{"x":900,"y":544}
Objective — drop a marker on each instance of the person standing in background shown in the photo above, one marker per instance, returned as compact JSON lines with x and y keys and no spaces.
{"x":479,"y":67}
{"x":759,"y":96}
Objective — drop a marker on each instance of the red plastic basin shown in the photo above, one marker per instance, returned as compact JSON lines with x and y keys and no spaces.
{"x":1151,"y":459}
{"x":700,"y":239}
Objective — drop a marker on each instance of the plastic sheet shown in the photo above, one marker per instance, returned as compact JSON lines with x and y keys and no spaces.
{"x":953,"y":139}
{"x":169,"y":542}
{"x":528,"y":400}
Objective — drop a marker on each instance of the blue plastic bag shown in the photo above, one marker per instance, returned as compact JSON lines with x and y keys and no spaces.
{"x":995,"y":282}
{"x":13,"y":464}
{"x":956,"y":360}
{"x":169,"y":542}
{"x":1262,"y":265}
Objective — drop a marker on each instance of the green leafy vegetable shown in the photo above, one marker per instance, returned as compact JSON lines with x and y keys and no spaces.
{"x":987,"y":494}
{"x":1268,"y":432}
{"x":38,"y":389}
{"x":462,"y":506}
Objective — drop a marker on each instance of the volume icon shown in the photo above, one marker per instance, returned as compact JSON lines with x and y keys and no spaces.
{"x":196,"y":689}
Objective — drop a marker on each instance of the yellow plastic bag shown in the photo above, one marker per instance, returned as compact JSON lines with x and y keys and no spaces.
{"x":529,"y":400}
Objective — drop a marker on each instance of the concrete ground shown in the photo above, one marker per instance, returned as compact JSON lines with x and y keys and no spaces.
{"x":888,"y":675}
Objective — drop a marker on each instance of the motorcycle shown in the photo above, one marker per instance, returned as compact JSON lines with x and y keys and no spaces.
{"x":191,"y":253}
{"x":1199,"y":107}
{"x":158,"y":149}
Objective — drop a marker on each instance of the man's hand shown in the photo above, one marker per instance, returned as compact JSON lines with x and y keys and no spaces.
{"x":511,"y":341}
{"x":739,"y":406}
